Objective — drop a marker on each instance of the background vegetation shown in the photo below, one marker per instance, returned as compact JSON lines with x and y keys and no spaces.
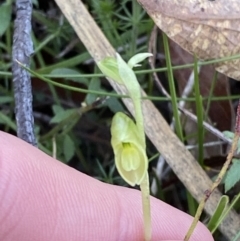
{"x":74,"y":126}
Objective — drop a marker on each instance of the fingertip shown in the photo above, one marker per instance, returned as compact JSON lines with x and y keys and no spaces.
{"x":44,"y":199}
{"x":168,"y":223}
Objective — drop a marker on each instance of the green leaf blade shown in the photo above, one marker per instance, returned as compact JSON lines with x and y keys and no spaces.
{"x":67,"y":72}
{"x":232,"y":176}
{"x":68,"y":148}
{"x":216,"y":218}
{"x":5,"y":17}
{"x":62,"y":115}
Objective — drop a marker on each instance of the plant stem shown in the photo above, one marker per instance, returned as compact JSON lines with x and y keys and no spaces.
{"x":139,"y":119}
{"x":144,"y":186}
{"x":219,"y":178}
{"x":199,"y":112}
{"x":177,"y":121}
{"x":68,"y":87}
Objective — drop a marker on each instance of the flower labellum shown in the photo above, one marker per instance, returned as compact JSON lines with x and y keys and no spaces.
{"x":130,"y":157}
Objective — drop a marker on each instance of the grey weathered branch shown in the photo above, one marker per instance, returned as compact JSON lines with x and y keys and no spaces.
{"x":22,"y":50}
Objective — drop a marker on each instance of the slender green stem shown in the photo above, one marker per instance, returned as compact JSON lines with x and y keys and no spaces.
{"x":210,"y":95}
{"x":48,"y":39}
{"x":191,"y":204}
{"x":139,"y":119}
{"x":199,"y":111}
{"x":146,"y":208}
{"x":154,"y":156}
{"x":200,"y":130}
{"x":191,"y":65}
{"x":45,"y":78}
{"x":42,"y":64}
{"x":144,"y":186}
{"x":67,"y":87}
{"x":177,"y":123}
{"x":213,"y":187}
{"x":71,"y":62}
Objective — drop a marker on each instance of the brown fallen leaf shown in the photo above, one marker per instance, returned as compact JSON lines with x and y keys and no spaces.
{"x":210,"y":29}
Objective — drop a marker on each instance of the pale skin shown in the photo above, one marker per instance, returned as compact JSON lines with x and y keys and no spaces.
{"x":45,"y":200}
